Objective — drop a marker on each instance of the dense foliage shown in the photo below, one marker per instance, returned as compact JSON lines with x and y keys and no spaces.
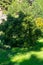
{"x":5,"y":3}
{"x":21,"y":28}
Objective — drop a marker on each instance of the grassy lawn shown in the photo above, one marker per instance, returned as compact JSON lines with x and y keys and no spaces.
{"x":23,"y":56}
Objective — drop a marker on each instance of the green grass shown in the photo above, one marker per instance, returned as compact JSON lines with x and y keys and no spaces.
{"x":23,"y":56}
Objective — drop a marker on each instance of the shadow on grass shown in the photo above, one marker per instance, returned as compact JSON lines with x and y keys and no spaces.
{"x":6,"y":55}
{"x":5,"y":59}
{"x":32,"y":61}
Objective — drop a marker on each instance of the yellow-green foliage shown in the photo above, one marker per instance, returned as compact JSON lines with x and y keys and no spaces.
{"x":39,"y":22}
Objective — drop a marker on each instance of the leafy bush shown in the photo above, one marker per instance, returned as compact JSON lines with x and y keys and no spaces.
{"x":21,"y":28}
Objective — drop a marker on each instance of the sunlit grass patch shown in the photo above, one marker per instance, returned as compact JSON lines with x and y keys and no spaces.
{"x":27,"y":56}
{"x":40,"y":40}
{"x":42,"y":49}
{"x":38,"y":55}
{"x":21,"y":57}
